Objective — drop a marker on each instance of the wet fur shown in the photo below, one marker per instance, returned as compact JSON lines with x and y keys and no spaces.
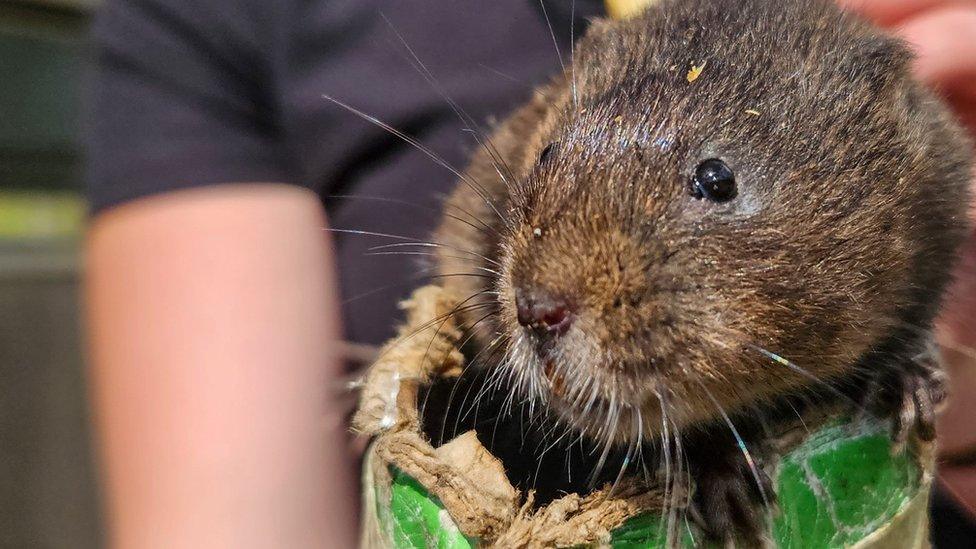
{"x":852,"y":204}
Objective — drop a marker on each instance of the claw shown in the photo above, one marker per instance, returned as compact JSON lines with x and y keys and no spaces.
{"x":911,"y":396}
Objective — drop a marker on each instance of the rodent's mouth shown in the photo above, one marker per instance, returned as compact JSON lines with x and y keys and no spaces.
{"x":582,"y":391}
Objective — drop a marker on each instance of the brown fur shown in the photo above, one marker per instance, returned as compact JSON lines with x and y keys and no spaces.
{"x":852,"y":202}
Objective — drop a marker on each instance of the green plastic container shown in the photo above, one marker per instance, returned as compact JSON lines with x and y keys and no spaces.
{"x":841,"y":486}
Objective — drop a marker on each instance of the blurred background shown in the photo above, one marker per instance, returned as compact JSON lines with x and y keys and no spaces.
{"x":47,"y":485}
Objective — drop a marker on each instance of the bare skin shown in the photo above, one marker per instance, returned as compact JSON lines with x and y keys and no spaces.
{"x":211,"y":316}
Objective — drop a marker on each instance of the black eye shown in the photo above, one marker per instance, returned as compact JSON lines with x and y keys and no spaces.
{"x":714,"y":181}
{"x":546,"y":152}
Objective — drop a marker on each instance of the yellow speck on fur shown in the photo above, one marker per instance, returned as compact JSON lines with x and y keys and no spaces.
{"x":696,"y":71}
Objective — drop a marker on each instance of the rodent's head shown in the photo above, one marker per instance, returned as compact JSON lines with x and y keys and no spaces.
{"x":672,"y":233}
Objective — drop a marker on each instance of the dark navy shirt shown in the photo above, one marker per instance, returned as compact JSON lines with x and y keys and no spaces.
{"x":190,"y":93}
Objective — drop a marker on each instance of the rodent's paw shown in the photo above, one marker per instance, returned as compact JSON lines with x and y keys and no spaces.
{"x":731,"y":501}
{"x":911,"y":396}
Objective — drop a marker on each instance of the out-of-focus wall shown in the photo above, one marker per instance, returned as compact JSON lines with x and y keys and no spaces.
{"x":47,"y":486}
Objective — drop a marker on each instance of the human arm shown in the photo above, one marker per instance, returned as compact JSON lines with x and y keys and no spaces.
{"x":210,"y":317}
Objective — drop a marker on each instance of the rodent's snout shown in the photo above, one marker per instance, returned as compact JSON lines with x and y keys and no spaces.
{"x":546,"y":314}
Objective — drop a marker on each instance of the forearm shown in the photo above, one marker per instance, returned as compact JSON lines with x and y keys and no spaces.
{"x":210,"y":315}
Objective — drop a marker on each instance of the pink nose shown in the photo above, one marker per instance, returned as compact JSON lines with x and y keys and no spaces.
{"x":544,"y":314}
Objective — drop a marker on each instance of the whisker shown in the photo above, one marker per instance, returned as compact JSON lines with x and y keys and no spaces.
{"x":623,"y":468}
{"x":640,"y":446}
{"x":470,"y":367}
{"x":792,"y":366}
{"x":459,"y":308}
{"x":454,"y":387}
{"x":427,"y":352}
{"x":739,"y":441}
{"x":463,"y":116}
{"x":611,"y":425}
{"x":412,"y":242}
{"x":552,"y":34}
{"x":500,"y":73}
{"x":669,"y":481}
{"x":572,"y":52}
{"x":441,"y":325}
{"x":476,"y":403}
{"x":539,"y":457}
{"x":803,"y":372}
{"x":423,"y":149}
{"x":485,"y":228}
{"x":422,"y":275}
{"x":422,"y":244}
{"x":493,"y":274}
{"x":367,"y":233}
{"x":475,"y":275}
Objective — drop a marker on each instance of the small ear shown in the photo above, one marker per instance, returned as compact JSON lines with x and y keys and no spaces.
{"x":880,"y":60}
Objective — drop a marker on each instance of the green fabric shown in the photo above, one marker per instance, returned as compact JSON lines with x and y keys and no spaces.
{"x":841,"y":488}
{"x":418,"y":519}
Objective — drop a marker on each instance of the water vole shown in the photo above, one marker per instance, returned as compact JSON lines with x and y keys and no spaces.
{"x":721,"y":208}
